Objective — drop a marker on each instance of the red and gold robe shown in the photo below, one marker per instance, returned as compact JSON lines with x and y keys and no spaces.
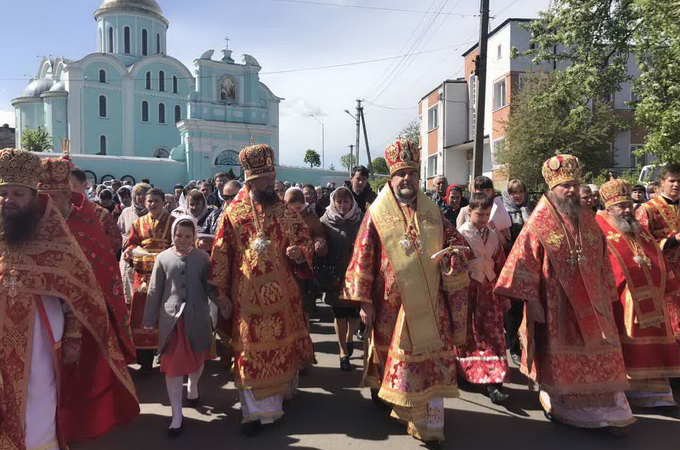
{"x":662,"y":220}
{"x":268,"y":330}
{"x":154,"y":236}
{"x":53,"y":264}
{"x":644,"y":287}
{"x":110,"y":226}
{"x":405,"y":378}
{"x":573,"y":351}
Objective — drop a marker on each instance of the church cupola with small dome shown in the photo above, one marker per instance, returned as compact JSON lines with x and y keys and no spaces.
{"x":131,"y":29}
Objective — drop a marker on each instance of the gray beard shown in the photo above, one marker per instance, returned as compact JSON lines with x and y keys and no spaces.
{"x":407,"y":199}
{"x":570,"y":208}
{"x":627,"y":226}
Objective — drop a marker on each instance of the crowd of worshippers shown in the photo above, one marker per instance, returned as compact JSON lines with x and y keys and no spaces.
{"x":435,"y":287}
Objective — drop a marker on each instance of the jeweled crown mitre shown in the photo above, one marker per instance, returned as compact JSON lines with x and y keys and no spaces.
{"x":257,"y":160}
{"x":19,"y":167}
{"x":616,"y":191}
{"x":561,"y":169}
{"x":402,"y":154}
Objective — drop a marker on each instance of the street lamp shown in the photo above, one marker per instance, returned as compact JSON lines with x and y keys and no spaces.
{"x":323,"y":142}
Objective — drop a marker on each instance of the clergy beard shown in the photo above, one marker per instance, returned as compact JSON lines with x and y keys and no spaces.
{"x":265,"y":197}
{"x":627,"y":225}
{"x":19,"y":228}
{"x":570,"y":207}
{"x":405,"y":195}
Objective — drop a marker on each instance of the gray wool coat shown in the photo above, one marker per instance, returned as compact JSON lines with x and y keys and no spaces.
{"x":178,"y":288}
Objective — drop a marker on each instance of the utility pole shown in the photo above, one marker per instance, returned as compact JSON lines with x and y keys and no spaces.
{"x":351,"y":160}
{"x":480,"y":72}
{"x":358,"y":121}
{"x":368,"y":150}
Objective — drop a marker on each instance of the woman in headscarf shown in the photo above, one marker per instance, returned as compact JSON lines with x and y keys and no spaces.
{"x":341,"y":220}
{"x":196,"y":206}
{"x":123,"y":198}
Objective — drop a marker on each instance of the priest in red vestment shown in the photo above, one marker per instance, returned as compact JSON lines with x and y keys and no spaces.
{"x":149,"y":235}
{"x":645,"y":286}
{"x":261,"y":247}
{"x":559,"y":266}
{"x":661,"y":217}
{"x":54,"y":321}
{"x":410,"y":282}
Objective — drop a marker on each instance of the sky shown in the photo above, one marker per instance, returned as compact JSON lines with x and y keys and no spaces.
{"x":294,"y":41}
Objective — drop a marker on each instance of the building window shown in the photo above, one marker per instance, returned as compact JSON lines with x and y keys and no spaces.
{"x":158,"y":43}
{"x":102,"y":145}
{"x":178,"y":113}
{"x":499,"y":99}
{"x":102,"y":106}
{"x":432,"y":165}
{"x":102,"y":76}
{"x":432,"y":118}
{"x":175,"y":85}
{"x":148,"y":80}
{"x":636,"y":160}
{"x":499,"y":52}
{"x":161,"y":153}
{"x":161,"y":81}
{"x":228,"y":90}
{"x":126,"y":38}
{"x":110,"y":39}
{"x":161,"y":113}
{"x":145,"y":42}
{"x":496,"y":150}
{"x":227,"y":158}
{"x":145,"y":111}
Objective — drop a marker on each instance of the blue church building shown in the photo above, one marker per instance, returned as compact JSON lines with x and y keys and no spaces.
{"x":131,"y":101}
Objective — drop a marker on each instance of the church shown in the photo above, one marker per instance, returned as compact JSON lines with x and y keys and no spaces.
{"x":130,"y":102}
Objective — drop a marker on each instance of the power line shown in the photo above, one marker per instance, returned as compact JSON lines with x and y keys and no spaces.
{"x":378,"y":8}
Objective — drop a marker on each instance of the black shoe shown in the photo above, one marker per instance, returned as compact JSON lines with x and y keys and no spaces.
{"x":193,"y":402}
{"x":359,"y":334}
{"x":378,"y":401}
{"x":516,"y":358}
{"x":433,"y":444}
{"x":497,"y":395}
{"x":615,"y":432}
{"x":251,"y":429}
{"x":350,"y":349}
{"x":175,"y":432}
{"x":551,"y":417}
{"x":345,"y":364}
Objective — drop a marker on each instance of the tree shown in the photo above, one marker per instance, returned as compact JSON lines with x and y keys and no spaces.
{"x":36,"y":140}
{"x":379,"y":166}
{"x":547,"y":120}
{"x":312,"y":158}
{"x":411,"y":132}
{"x":348,"y":161}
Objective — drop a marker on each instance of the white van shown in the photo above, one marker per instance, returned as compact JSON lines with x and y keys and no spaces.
{"x":649,"y":173}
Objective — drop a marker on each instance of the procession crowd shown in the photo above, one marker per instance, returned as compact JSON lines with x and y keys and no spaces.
{"x":578,"y":286}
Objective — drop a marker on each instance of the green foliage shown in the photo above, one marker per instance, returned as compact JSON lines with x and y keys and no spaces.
{"x":36,"y":140}
{"x":631,"y":176}
{"x":411,"y":132}
{"x":312,"y":158}
{"x":378,"y":183}
{"x":549,"y":118}
{"x":348,"y":161}
{"x":379,"y":166}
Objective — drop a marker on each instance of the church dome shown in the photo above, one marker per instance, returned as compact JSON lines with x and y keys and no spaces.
{"x":37,"y":87}
{"x":59,"y":86}
{"x":144,"y":6}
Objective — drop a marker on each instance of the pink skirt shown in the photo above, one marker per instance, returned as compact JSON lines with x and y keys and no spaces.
{"x":178,"y":358}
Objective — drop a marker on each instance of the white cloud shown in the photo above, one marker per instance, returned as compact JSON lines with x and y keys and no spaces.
{"x":300,"y":107}
{"x":6,"y":117}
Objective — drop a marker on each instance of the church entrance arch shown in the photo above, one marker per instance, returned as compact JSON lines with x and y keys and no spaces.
{"x":227,"y":158}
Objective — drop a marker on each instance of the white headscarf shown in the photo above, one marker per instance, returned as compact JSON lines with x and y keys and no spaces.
{"x":180,"y":219}
{"x":353,"y":215}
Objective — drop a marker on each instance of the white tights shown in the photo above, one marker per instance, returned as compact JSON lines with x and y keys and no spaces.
{"x":174,"y":386}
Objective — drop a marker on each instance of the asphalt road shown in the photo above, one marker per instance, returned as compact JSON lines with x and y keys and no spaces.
{"x":331,"y":412}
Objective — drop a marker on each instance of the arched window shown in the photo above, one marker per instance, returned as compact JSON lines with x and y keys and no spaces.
{"x":227,"y":158}
{"x":102,"y":106}
{"x":148,"y":80}
{"x":110,"y":39}
{"x":161,"y":113}
{"x":175,"y":85}
{"x":102,"y":145}
{"x":145,"y":42}
{"x":161,"y":153}
{"x":145,"y":111}
{"x":228,"y":90}
{"x":158,"y":43}
{"x":102,"y":76}
{"x":126,"y":39}
{"x":178,"y":113}
{"x":161,"y":81}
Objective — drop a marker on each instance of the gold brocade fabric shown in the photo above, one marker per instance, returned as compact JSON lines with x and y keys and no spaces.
{"x":51,"y":264}
{"x":268,"y":329}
